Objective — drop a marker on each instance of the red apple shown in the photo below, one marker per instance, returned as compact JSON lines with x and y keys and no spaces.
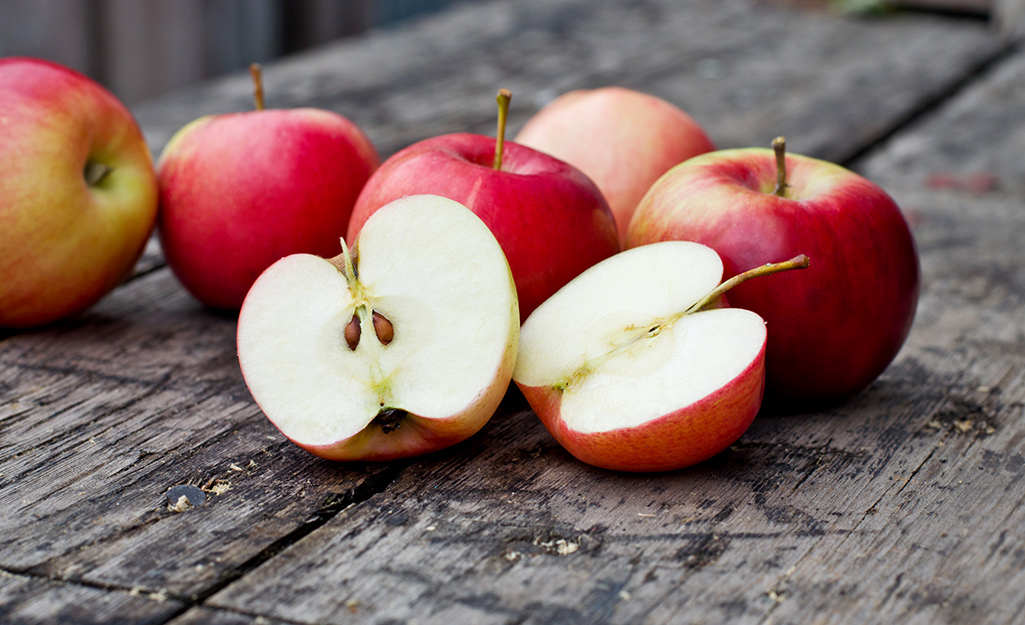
{"x":832,"y":329}
{"x":241,"y":190}
{"x":635,"y":366}
{"x":621,"y":139}
{"x":78,"y":195}
{"x":550,"y":219}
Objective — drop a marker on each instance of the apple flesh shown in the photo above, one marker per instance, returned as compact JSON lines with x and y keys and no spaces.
{"x":403,"y":346}
{"x":833,"y":328}
{"x":550,"y":219}
{"x":241,"y":190}
{"x":78,"y":195}
{"x":620,"y":138}
{"x":633,"y":366}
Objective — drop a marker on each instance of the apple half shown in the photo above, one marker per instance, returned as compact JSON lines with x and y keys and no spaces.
{"x":402,"y":346}
{"x":638,"y":365}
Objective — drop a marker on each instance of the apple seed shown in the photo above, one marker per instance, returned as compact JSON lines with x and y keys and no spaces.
{"x":353,"y":331}
{"x":383,"y":328}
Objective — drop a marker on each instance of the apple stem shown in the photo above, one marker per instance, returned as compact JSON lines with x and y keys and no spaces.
{"x":257,"y":73}
{"x":503,"y":98}
{"x":345,"y":264}
{"x":95,"y":172}
{"x":798,"y":262}
{"x":779,"y":145}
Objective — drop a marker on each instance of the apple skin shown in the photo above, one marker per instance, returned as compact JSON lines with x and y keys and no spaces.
{"x":241,"y":190}
{"x":676,"y":440}
{"x":834,"y":327}
{"x":622,"y":139}
{"x":419,"y":436}
{"x":550,"y":219}
{"x":65,"y":243}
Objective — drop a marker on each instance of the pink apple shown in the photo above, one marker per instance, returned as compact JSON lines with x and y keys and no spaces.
{"x":78,"y":196}
{"x":242,"y":190}
{"x":550,"y":219}
{"x":832,"y":329}
{"x":621,"y":139}
{"x":635,"y":365}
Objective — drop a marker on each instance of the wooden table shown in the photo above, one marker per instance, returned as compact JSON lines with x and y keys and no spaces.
{"x":902,"y":505}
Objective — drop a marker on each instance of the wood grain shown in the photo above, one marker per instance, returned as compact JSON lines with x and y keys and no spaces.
{"x":746,"y":72}
{"x":900,"y":505}
{"x":105,"y":413}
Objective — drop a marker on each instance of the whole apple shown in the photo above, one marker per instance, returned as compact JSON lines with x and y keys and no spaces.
{"x":621,"y":139}
{"x":635,"y":365}
{"x":833,"y":328}
{"x":78,"y":195}
{"x":550,"y":219}
{"x":239,"y":191}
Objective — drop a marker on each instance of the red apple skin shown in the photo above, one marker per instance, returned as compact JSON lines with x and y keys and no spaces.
{"x":240,"y":191}
{"x":834,"y":327}
{"x":673,"y":441}
{"x":65,"y":243}
{"x":622,"y":139}
{"x":550,"y":219}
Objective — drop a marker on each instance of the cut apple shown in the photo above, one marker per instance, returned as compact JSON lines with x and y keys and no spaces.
{"x":401,"y":346}
{"x":635,"y":366}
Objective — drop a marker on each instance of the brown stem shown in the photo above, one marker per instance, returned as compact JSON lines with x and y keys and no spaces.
{"x":95,"y":172}
{"x":779,"y":145}
{"x":797,"y":262}
{"x":257,"y":73}
{"x":503,"y":98}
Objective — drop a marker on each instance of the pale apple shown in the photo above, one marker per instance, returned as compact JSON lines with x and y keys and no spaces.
{"x":403,"y":345}
{"x":833,"y":328}
{"x":78,"y":195}
{"x":550,"y":219}
{"x":242,"y":190}
{"x":620,"y":138}
{"x":635,"y":365}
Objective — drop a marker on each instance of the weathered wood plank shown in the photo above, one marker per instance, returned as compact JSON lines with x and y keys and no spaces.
{"x":747,"y":72}
{"x":28,"y":600}
{"x":103,"y":413}
{"x":207,"y":616}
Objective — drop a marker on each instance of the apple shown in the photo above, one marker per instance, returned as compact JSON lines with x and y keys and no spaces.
{"x":635,"y":365}
{"x":78,"y":195}
{"x":241,"y":190}
{"x":621,"y":139}
{"x":402,"y":346}
{"x":550,"y":219}
{"x":834,"y":328}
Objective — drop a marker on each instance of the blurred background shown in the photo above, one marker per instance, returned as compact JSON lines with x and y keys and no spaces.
{"x":142,"y":48}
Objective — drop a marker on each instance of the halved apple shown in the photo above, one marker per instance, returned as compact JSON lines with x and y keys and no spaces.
{"x":403,"y":346}
{"x":636,"y":366}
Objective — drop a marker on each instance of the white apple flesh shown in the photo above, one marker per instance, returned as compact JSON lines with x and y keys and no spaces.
{"x":630,"y":369}
{"x":404,"y":346}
